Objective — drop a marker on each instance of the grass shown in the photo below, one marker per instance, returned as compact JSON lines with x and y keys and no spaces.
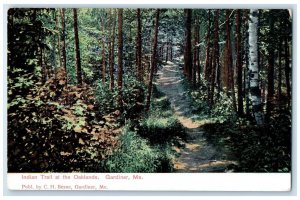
{"x":147,"y":146}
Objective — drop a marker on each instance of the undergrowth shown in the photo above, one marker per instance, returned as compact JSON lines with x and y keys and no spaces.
{"x":146,"y":144}
{"x":257,"y":148}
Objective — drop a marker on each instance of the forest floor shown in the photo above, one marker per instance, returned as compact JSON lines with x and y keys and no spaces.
{"x":196,"y":153}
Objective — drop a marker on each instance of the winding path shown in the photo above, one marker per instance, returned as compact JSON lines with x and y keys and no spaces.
{"x":196,"y":155}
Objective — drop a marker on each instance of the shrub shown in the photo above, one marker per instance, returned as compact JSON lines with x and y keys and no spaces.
{"x":137,"y":155}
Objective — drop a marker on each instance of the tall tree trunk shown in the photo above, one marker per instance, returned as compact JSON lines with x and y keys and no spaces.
{"x":270,"y":94}
{"x":77,"y":49}
{"x":109,"y":41}
{"x":227,"y":54}
{"x":139,"y":45}
{"x":63,"y":29}
{"x":253,"y":69}
{"x":120,"y":57}
{"x":215,"y":54}
{"x":198,"y":51}
{"x":239,"y":69}
{"x":230,"y":63}
{"x":287,"y":70}
{"x":111,"y":69}
{"x":279,"y":70}
{"x":246,"y":71}
{"x":206,"y":67}
{"x":58,"y":37}
{"x":188,"y":44}
{"x":154,"y":60}
{"x":195,"y":67}
{"x":103,"y":53}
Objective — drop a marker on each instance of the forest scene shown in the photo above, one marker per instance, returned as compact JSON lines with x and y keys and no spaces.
{"x":149,"y":90}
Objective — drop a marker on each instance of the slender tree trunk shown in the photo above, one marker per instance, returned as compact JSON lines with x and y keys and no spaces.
{"x":228,"y":54}
{"x":109,"y":43}
{"x":239,"y":63}
{"x":206,"y":68}
{"x":63,"y":29}
{"x":287,"y":70}
{"x":253,"y":69}
{"x":58,"y":37}
{"x":120,"y":57}
{"x":139,"y":45}
{"x":230,"y":63}
{"x":279,"y":70}
{"x":111,"y":71}
{"x":198,"y":51}
{"x":195,"y":67}
{"x":154,"y":60}
{"x":246,"y":72}
{"x":77,"y":49}
{"x":188,"y":44}
{"x":270,"y":94}
{"x":103,"y":53}
{"x":215,"y":54}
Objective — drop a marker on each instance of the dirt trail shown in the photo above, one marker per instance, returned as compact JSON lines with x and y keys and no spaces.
{"x":196,"y":155}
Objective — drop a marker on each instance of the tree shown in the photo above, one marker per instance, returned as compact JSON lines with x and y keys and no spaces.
{"x":215,"y":56}
{"x":207,"y":53}
{"x":271,"y":60}
{"x":253,"y":68}
{"x":103,"y":52}
{"x":287,"y":69}
{"x":111,"y":71}
{"x":239,"y":69}
{"x":77,"y":49}
{"x":139,"y":45}
{"x":195,"y":49}
{"x":188,"y":44}
{"x":120,"y":57}
{"x":154,"y":60}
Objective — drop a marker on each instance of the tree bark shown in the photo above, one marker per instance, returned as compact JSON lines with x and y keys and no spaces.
{"x":279,"y":70}
{"x":240,"y":109}
{"x":109,"y":40}
{"x":287,"y":70}
{"x":215,"y":55}
{"x":195,"y":67}
{"x":103,"y":53}
{"x":270,"y":93}
{"x":253,"y":69}
{"x":198,"y":51}
{"x":77,"y":49}
{"x":58,"y":38}
{"x":230,"y":63}
{"x":206,"y":68}
{"x":154,"y":60}
{"x":188,"y":44}
{"x":139,"y":45}
{"x":112,"y":63}
{"x":63,"y":29}
{"x":120,"y":58}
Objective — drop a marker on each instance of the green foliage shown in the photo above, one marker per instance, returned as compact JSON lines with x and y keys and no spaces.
{"x":137,"y":155}
{"x":133,"y":97}
{"x":258,"y":149}
{"x":105,"y":99}
{"x":54,"y":128}
{"x":134,"y":94}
